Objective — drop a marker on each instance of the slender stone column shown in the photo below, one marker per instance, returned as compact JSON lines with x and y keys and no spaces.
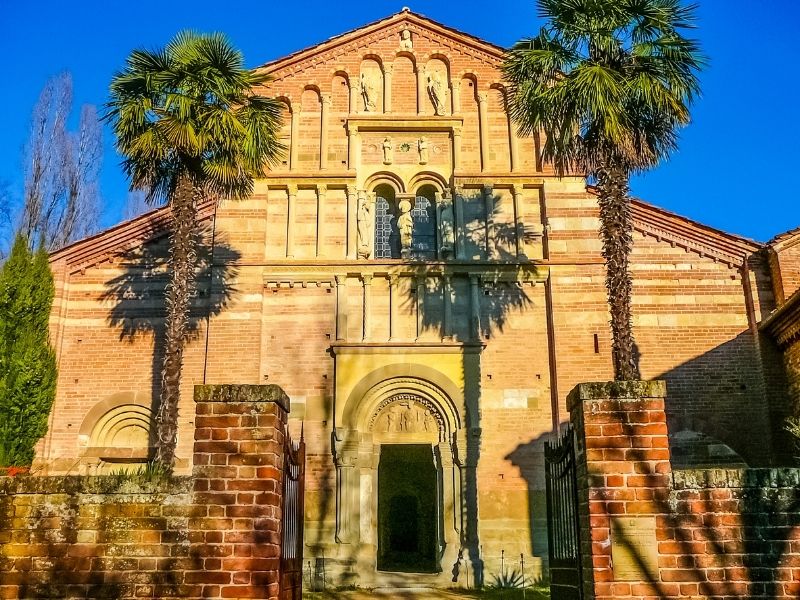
{"x":447,"y":300}
{"x":323,"y":134}
{"x":353,"y":148}
{"x":294,"y":143}
{"x":367,"y":284}
{"x":513,"y":145}
{"x":419,"y":299}
{"x":353,"y":95}
{"x":457,"y":148}
{"x":394,"y":300}
{"x":421,"y":89}
{"x":438,"y":232}
{"x":388,"y":70}
{"x":519,"y":220}
{"x":483,"y":114}
{"x":475,"y":308}
{"x":488,"y":201}
{"x":455,"y":96}
{"x":341,"y":308}
{"x":372,"y":198}
{"x":322,"y":191}
{"x":291,"y":191}
{"x":352,"y":226}
{"x":458,"y":209}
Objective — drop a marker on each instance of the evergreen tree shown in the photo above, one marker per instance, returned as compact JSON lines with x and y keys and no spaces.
{"x":27,"y":361}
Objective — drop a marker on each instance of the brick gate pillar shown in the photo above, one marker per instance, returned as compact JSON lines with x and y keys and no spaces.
{"x":623,"y":466}
{"x":235,"y":530}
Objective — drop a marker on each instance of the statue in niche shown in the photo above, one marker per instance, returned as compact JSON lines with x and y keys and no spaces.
{"x":437,"y":92}
{"x":422,"y":146}
{"x":405,"y":40}
{"x":405,"y":224}
{"x":369,"y":92}
{"x":446,"y":228}
{"x":363,"y":226}
{"x":388,"y":151}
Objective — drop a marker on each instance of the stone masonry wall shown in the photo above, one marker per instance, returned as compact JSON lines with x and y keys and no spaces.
{"x":702,"y":533}
{"x":214,"y":535}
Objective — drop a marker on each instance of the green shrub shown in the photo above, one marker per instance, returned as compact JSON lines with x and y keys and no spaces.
{"x":27,"y":361}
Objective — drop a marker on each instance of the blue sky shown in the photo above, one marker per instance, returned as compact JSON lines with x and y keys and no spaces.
{"x":735,"y":170}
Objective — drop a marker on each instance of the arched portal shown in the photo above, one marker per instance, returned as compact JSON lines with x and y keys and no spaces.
{"x":398,"y":476}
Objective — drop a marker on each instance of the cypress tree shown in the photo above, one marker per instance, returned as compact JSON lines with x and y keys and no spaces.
{"x":27,"y":361}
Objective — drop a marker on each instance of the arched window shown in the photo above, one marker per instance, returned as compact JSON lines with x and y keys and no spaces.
{"x":423,"y":214}
{"x":387,"y":237}
{"x":423,"y":239}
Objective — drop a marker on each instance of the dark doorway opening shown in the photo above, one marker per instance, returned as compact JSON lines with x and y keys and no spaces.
{"x":407,"y":516}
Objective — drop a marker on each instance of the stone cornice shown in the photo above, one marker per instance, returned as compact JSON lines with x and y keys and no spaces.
{"x":361,"y":38}
{"x":692,"y":236}
{"x":783,"y":324}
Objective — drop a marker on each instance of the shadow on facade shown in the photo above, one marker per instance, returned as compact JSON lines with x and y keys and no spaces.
{"x":137,"y":295}
{"x":491,"y":252}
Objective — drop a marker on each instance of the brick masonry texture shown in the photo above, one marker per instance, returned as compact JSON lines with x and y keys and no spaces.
{"x":283,"y":289}
{"x":720,"y":533}
{"x":213,"y":535}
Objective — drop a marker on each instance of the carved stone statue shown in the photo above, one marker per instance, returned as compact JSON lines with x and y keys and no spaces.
{"x":422,"y":146}
{"x":364,"y":228}
{"x":446,"y":228}
{"x":388,"y":151}
{"x":405,"y":224}
{"x":405,"y":40}
{"x":369,"y":92}
{"x":437,"y":92}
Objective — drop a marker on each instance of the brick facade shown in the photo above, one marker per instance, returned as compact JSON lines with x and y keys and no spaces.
{"x":489,"y":334}
{"x":713,"y":534}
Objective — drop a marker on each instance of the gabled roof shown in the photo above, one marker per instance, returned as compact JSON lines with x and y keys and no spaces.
{"x":783,"y":324}
{"x":785,"y":240}
{"x":116,"y":240}
{"x":404,"y":16}
{"x":693,"y":236}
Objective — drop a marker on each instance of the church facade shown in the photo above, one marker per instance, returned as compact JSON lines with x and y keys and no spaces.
{"x":427,"y":292}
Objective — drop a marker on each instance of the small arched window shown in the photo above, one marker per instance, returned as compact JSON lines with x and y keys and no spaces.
{"x":423,"y":215}
{"x":387,"y":236}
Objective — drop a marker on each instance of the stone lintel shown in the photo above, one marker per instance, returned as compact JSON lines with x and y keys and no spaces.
{"x":253,"y":394}
{"x":616,"y":390}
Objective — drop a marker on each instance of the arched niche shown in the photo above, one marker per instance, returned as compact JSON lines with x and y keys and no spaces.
{"x":437,"y":75}
{"x":471,"y":134}
{"x":285,"y":132}
{"x":404,"y":85}
{"x":370,"y":85}
{"x":337,"y":132}
{"x":308,"y":135}
{"x":499,"y":130}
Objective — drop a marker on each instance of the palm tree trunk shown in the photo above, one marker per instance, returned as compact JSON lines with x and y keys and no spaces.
{"x":616,"y":226}
{"x":183,"y":256}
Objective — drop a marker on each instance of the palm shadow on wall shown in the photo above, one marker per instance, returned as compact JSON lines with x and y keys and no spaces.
{"x":137,"y":295}
{"x":490,"y":250}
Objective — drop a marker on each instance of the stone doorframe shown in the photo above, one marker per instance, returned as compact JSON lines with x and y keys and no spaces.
{"x":398,"y":410}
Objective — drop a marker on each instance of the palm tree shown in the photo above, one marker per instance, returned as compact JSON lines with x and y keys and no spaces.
{"x":191,"y":125}
{"x":609,"y":83}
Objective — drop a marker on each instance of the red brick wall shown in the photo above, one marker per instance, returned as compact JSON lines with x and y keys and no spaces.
{"x":785,"y":266}
{"x":719,"y":533}
{"x":215,"y":535}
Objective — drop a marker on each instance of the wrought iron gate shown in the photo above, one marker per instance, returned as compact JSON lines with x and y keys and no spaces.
{"x":294,"y":471}
{"x":563,"y":528}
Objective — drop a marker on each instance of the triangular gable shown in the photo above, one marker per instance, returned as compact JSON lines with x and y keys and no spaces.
{"x":361,"y":37}
{"x":685,"y":233}
{"x":120,"y":238}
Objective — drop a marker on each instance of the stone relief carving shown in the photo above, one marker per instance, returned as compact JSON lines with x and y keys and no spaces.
{"x":388,"y":151}
{"x":406,"y":43}
{"x":369,"y":92}
{"x":436,"y":91}
{"x":407,"y":413}
{"x":446,"y":227}
{"x":422,"y":146}
{"x":405,"y":224}
{"x":364,"y":227}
